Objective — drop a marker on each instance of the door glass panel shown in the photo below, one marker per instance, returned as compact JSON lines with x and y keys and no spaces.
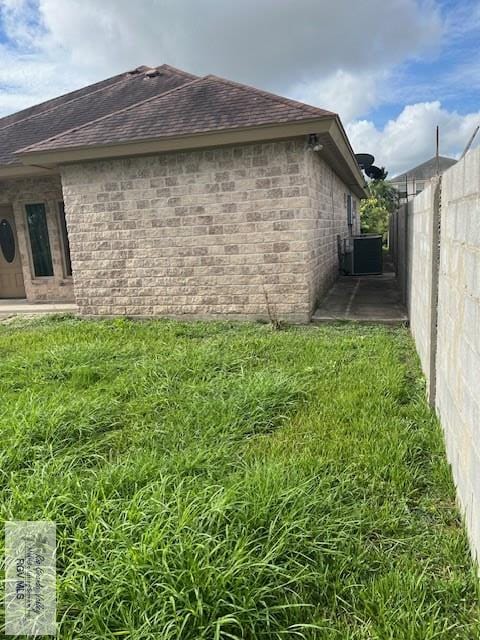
{"x":39,"y":240}
{"x":7,"y":241}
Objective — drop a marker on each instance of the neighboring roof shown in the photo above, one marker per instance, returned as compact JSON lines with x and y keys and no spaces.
{"x":203,"y":105}
{"x":426,"y":170}
{"x":75,"y":109}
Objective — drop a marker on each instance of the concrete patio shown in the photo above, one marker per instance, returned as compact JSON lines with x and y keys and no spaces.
{"x":9,"y":308}
{"x":375,"y":299}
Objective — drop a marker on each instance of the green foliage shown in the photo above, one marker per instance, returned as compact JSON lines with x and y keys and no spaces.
{"x":376,"y":209}
{"x":213,"y":481}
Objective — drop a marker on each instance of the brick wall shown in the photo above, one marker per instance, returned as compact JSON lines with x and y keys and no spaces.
{"x":205,"y":233}
{"x":328,"y":219}
{"x":46,"y":190}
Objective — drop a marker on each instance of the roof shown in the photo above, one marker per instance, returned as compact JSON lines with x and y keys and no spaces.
{"x":151,"y":110}
{"x":205,"y":104}
{"x":51,"y":118}
{"x":426,"y":170}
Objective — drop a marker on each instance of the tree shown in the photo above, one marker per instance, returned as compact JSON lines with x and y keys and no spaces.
{"x":375,"y":210}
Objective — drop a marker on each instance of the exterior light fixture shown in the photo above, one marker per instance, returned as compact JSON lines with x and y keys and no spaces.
{"x":313,"y":143}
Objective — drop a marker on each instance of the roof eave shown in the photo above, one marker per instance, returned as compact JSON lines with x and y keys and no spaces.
{"x":357,"y":182}
{"x":327,"y":127}
{"x":11,"y":171}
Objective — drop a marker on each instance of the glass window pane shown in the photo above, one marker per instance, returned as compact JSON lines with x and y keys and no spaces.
{"x":65,"y":242}
{"x":7,"y":241}
{"x":39,"y":240}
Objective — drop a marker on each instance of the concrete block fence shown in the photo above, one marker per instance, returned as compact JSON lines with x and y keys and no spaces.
{"x":435,"y":242}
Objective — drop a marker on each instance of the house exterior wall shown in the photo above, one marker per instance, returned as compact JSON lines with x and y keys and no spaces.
{"x":328,"y":221}
{"x":46,"y":190}
{"x":225,"y":232}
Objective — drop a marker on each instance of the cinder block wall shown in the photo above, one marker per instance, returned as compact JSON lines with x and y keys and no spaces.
{"x":224,"y":232}
{"x":398,"y":245}
{"x":46,"y":190}
{"x":443,"y":293}
{"x":458,"y":356}
{"x":422,"y":263}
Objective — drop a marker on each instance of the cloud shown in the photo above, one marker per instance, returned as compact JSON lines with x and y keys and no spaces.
{"x":271,"y":42}
{"x":275,"y":44}
{"x":346,"y":57}
{"x":410,"y":138}
{"x":349,"y":94}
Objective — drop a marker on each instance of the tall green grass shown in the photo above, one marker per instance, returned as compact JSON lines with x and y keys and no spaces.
{"x":220,"y":481}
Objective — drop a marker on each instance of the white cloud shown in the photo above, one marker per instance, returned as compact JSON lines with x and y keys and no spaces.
{"x":267,"y":41}
{"x":346,"y":93}
{"x":338,"y":55}
{"x":410,"y":138}
{"x":275,"y":44}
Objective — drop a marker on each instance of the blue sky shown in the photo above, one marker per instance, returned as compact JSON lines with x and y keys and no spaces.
{"x":392,"y":69}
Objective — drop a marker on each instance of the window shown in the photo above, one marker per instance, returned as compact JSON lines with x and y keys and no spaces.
{"x":7,"y":241}
{"x":349,"y":210}
{"x":39,"y":240}
{"x":65,"y":243}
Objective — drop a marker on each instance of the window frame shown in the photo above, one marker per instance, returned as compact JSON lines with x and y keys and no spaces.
{"x":64,"y":249}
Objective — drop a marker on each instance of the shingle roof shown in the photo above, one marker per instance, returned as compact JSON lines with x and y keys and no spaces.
{"x":426,"y":170}
{"x":202,"y":105}
{"x":51,"y":118}
{"x":59,"y":100}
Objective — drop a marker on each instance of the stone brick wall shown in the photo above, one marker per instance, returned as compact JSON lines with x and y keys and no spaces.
{"x":209,"y":233}
{"x":328,"y":219}
{"x":458,"y":345}
{"x":46,"y":190}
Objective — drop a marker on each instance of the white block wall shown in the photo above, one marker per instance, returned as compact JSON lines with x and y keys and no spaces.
{"x":458,"y":357}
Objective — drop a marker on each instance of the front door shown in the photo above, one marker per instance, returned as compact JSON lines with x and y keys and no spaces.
{"x":11,"y":276}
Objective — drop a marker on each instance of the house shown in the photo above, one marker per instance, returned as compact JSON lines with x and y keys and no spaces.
{"x":412,"y":182}
{"x":156,"y":192}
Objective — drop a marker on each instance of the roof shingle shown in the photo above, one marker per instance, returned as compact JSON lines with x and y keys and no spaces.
{"x":51,"y":118}
{"x":202,"y":105}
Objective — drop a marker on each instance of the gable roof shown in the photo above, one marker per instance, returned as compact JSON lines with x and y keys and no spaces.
{"x":63,"y":99}
{"x":426,"y":170}
{"x":152,"y":110}
{"x":203,"y":105}
{"x":79,"y":107}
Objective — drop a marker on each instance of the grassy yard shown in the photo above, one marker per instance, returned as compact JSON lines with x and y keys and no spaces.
{"x":221,"y":481}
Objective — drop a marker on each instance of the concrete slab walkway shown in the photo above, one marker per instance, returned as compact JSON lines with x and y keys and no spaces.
{"x":375,"y":299}
{"x":9,"y":308}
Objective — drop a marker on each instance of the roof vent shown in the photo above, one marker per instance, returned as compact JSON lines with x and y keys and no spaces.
{"x":152,"y":73}
{"x":138,"y":70}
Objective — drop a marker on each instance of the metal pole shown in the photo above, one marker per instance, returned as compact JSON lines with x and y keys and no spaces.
{"x":469,"y":144}
{"x":437,"y":154}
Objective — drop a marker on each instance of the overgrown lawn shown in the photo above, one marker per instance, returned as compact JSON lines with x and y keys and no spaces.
{"x":221,"y":481}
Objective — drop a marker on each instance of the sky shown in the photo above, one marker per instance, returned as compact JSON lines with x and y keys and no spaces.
{"x":392,"y":69}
